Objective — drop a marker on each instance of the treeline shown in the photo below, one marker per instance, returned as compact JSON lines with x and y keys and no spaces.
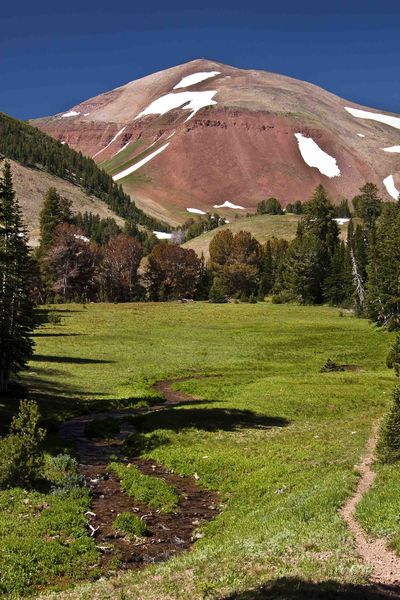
{"x":33,"y":148}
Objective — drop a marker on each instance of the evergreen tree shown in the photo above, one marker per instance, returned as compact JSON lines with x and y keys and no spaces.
{"x":393,"y":358}
{"x":383,"y":285}
{"x":338,"y":288}
{"x":16,"y":307}
{"x":368,"y":204}
{"x":319,"y":214}
{"x":55,"y":210}
{"x":388,"y":448}
{"x":271,"y":206}
{"x":218,"y":293}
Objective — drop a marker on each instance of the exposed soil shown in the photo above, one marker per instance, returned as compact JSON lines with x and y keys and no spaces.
{"x":384,"y":563}
{"x":167,"y":534}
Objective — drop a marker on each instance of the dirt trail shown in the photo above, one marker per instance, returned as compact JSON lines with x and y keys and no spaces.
{"x":167,"y":534}
{"x":385,"y":564}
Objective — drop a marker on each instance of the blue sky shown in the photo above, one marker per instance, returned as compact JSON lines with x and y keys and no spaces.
{"x":55,"y":54}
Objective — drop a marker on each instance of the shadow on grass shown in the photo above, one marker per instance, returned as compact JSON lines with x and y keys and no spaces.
{"x":75,"y":360}
{"x":291,"y":588}
{"x":208,"y":419}
{"x":41,"y":334}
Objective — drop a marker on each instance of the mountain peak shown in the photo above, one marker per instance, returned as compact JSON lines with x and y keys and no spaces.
{"x":203,"y":134}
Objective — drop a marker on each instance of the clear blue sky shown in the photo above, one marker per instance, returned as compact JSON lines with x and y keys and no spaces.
{"x":54,"y":54}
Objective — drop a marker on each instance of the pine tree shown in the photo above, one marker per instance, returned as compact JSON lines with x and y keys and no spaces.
{"x":393,"y":358}
{"x":388,"y":448}
{"x":16,"y":306}
{"x":383,"y":286}
{"x":368,"y":204}
{"x":55,"y":210}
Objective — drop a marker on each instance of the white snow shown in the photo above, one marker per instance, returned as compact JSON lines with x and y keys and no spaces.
{"x":139,"y":164}
{"x":193,"y":101}
{"x":314,"y":156}
{"x":391,"y":188}
{"x":162,"y":235}
{"x":365,"y":114}
{"x":171,"y":134}
{"x":341,"y":221}
{"x":228,"y":204}
{"x":196,"y":211}
{"x":86,"y":114}
{"x":123,"y":147}
{"x":360,"y":135}
{"x":195,"y":78}
{"x":63,"y":143}
{"x":71,"y":113}
{"x":83,"y":238}
{"x":392,"y":149}
{"x":109,"y":143}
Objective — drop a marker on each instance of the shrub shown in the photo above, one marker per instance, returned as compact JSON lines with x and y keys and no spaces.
{"x":218,"y":292}
{"x":21,"y":454}
{"x":54,"y":318}
{"x":62,"y":470}
{"x":130,"y":525}
{"x":393,"y":358}
{"x":102,"y":428}
{"x":388,"y":448}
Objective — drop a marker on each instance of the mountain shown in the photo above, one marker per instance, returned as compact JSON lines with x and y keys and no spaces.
{"x":204,"y":134}
{"x":39,"y":162}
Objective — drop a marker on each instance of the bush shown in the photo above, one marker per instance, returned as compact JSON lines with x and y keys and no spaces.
{"x":62,"y":470}
{"x":388,"y":448}
{"x":21,"y":454}
{"x":130,"y":525}
{"x":54,"y":318}
{"x":218,"y":293}
{"x":393,"y":358}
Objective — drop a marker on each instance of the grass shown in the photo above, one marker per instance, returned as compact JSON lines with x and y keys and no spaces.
{"x":276,"y":437}
{"x":379,"y":511}
{"x":262,"y":227}
{"x":43,"y":540}
{"x":130,"y":525}
{"x":154,"y":492}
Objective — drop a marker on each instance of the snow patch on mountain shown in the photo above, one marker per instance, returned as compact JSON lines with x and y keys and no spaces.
{"x":314,"y":156}
{"x":193,"y":101}
{"x":196,"y":211}
{"x":391,"y":188}
{"x":365,"y":114}
{"x":116,"y":136}
{"x":195,"y":78}
{"x":392,"y":149}
{"x":360,"y":135}
{"x":71,"y":113}
{"x":162,"y":235}
{"x":228,"y":204}
{"x":139,"y":164}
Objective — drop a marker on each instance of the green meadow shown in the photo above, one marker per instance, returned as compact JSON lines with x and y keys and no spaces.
{"x":277,"y":438}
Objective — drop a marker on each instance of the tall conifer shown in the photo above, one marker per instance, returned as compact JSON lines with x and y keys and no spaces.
{"x":16,"y":307}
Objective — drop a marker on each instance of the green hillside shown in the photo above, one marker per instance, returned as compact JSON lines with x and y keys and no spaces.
{"x":32,"y":148}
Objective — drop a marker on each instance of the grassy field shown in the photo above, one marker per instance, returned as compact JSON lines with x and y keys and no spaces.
{"x":262,"y":227}
{"x":276,"y":437}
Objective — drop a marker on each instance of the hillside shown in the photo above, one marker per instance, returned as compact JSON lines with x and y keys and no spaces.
{"x":201,"y":134}
{"x":38,"y":162}
{"x":262,"y":227}
{"x":31,"y":184}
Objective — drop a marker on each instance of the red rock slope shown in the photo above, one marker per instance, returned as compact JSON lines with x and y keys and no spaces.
{"x":230,"y":135}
